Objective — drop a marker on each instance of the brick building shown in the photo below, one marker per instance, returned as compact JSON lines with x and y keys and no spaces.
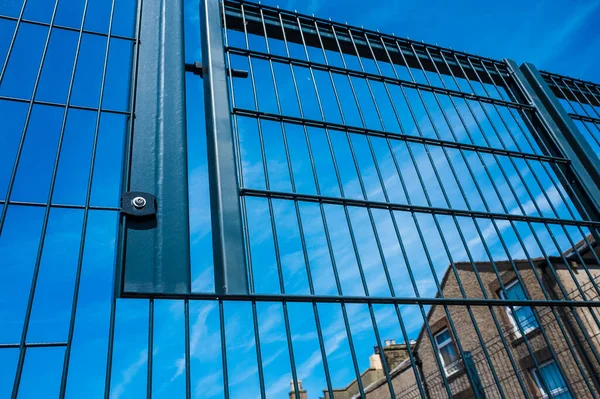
{"x":513,"y":352}
{"x":396,"y":357}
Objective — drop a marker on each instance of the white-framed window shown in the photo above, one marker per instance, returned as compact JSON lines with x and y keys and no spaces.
{"x":549,"y":376}
{"x":447,"y":351}
{"x":519,"y":316}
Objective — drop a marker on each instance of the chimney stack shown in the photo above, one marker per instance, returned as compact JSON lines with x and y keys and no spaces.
{"x":393,"y":353}
{"x":375,"y":361}
{"x":301,"y":395}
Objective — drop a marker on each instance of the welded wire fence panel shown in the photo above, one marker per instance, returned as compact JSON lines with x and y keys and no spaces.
{"x":409,"y":230}
{"x":372,"y":166}
{"x":581,"y":99}
{"x":65,"y":69}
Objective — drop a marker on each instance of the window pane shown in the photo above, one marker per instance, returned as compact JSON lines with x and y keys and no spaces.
{"x":522,"y":315}
{"x":515,"y":292}
{"x":525,"y":318}
{"x":552,"y":377}
{"x":442,"y":337}
{"x":449,"y":354}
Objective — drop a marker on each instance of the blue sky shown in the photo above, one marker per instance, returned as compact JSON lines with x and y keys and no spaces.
{"x":556,"y":36}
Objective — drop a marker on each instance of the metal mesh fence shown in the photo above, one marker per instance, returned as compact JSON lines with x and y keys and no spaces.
{"x":409,"y":225}
{"x":581,"y":100}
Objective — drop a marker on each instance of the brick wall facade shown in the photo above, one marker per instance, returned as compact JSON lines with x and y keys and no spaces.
{"x":574,"y":354}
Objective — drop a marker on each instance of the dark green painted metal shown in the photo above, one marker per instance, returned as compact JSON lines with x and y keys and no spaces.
{"x":154,"y":254}
{"x":563,"y":134}
{"x":471,"y":370}
{"x":228,"y":241}
{"x":274,"y":19}
{"x":587,"y":164}
{"x":379,"y":300}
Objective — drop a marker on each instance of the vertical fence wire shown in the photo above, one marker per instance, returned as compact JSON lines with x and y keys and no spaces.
{"x":484,"y":201}
{"x":472,"y":70}
{"x":50,"y":204}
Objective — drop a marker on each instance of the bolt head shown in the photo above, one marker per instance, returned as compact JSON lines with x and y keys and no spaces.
{"x":139,"y":202}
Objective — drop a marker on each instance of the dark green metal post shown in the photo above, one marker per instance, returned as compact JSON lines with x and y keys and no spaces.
{"x":563,"y":135}
{"x":154,"y":251}
{"x":228,"y":242}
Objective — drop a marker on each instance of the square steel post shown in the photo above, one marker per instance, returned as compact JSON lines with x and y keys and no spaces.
{"x":563,"y":136}
{"x":154,"y":251}
{"x":231,"y":276}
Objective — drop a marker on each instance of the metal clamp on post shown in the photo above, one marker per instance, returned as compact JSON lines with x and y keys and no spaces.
{"x":198,"y":69}
{"x":138,"y":204}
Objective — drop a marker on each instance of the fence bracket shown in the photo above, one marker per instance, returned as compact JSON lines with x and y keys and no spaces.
{"x":138,"y":204}
{"x":198,"y":69}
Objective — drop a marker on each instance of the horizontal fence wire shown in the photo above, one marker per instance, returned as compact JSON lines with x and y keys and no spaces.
{"x":64,"y":99}
{"x":355,"y":148}
{"x":389,"y":135}
{"x":371,"y":76}
{"x":408,"y":233}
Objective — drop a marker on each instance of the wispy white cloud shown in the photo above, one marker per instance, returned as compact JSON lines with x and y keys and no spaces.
{"x":209,"y":385}
{"x":129,"y":374}
{"x":202,"y":339}
{"x":335,"y":338}
{"x":204,"y":281}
